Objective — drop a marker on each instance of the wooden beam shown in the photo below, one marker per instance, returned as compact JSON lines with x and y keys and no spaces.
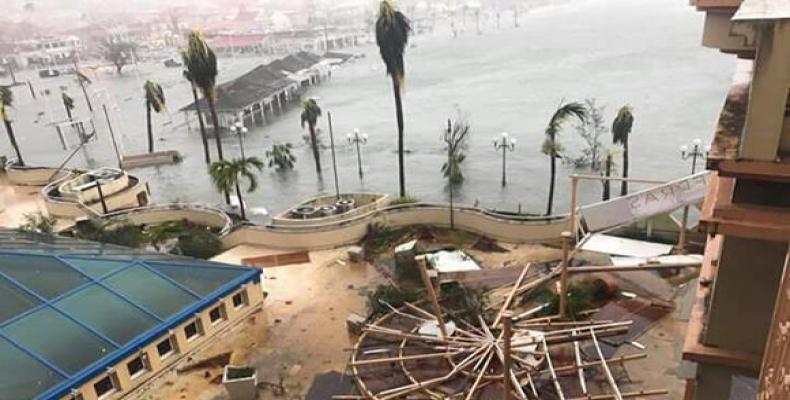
{"x":506,"y":365}
{"x":566,"y":242}
{"x":510,"y":296}
{"x":422,"y":263}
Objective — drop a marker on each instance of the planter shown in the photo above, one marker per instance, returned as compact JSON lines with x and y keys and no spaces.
{"x":240,"y":382}
{"x":304,"y":212}
{"x":327,"y":211}
{"x":33,"y":176}
{"x":345,"y":205}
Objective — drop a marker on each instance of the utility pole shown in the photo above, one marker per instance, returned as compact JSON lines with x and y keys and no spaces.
{"x":334,"y":160}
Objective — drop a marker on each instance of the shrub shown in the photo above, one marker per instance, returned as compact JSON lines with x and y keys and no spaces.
{"x":464,"y":303}
{"x":379,"y":238}
{"x":581,"y":297}
{"x":39,"y":223}
{"x":199,"y":243}
{"x":391,"y":295}
{"x":404,"y":200}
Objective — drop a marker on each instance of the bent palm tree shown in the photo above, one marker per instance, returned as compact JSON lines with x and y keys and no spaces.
{"x":551,"y":147}
{"x":68,"y":104}
{"x":7,"y":100}
{"x":227,"y":175}
{"x":392,"y":37}
{"x":188,"y":76}
{"x":621,"y":131}
{"x":201,"y":65}
{"x":310,"y":114}
{"x":154,"y":99}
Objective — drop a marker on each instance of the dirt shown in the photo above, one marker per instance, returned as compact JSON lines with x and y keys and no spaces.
{"x":300,"y":333}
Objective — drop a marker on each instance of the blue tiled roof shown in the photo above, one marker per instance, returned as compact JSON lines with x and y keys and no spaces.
{"x":66,"y":318}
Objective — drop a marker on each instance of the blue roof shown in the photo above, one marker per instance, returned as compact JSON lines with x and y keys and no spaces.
{"x":66,"y":318}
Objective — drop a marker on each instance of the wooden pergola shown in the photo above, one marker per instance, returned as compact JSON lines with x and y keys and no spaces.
{"x":412,"y":353}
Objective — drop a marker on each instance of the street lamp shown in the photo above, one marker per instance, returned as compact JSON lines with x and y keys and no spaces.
{"x":693,"y":152}
{"x":504,"y":143}
{"x":358,"y":139}
{"x":239,"y":130}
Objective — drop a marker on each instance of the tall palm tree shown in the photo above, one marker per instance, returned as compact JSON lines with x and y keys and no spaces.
{"x":201,"y":64}
{"x":154,"y":99}
{"x":7,"y":100}
{"x":188,"y":76}
{"x":621,"y":131}
{"x":551,"y":147}
{"x":392,"y":37}
{"x":311,"y":111}
{"x":227,"y":175}
{"x":68,"y":104}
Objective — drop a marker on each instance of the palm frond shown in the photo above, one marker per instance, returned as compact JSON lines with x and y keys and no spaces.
{"x":311,"y":111}
{"x":201,"y":62}
{"x":68,"y":102}
{"x":622,"y":125}
{"x":392,"y":36}
{"x":154,"y":95}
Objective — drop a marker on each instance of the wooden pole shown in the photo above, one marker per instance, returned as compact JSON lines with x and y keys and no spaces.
{"x":681,"y":247}
{"x":566,"y":239}
{"x":574,"y":190}
{"x":112,"y":136}
{"x":426,"y":280}
{"x":507,"y":333}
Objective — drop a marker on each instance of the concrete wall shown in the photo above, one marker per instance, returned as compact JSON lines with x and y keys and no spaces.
{"x":744,"y":294}
{"x":351,"y":231}
{"x":365,"y":203}
{"x":34,"y":176}
{"x":154,"y":364}
{"x":194,"y":213}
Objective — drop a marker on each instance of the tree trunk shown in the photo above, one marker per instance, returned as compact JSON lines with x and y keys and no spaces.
{"x":550,"y":206}
{"x":202,"y":125}
{"x":68,"y":111}
{"x":314,"y":145}
{"x":607,"y":185}
{"x":119,"y":68}
{"x":241,"y":202}
{"x":624,"y":186}
{"x":10,"y":131}
{"x":215,"y":120}
{"x":150,"y":128}
{"x":399,"y":115}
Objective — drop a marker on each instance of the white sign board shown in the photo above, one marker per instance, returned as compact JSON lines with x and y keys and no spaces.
{"x":645,"y":204}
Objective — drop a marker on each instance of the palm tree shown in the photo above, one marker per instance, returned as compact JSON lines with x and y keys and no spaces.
{"x":201,"y":65}
{"x":551,"y":147}
{"x":228,"y":175}
{"x":188,"y":76}
{"x":621,"y":131}
{"x":154,"y":99}
{"x":392,"y":37}
{"x":310,"y":114}
{"x":7,"y":100}
{"x":68,"y":104}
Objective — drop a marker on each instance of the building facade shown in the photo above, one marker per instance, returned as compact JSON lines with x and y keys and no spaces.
{"x":738,"y":331}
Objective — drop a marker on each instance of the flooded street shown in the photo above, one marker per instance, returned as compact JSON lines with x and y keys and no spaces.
{"x":644,"y":53}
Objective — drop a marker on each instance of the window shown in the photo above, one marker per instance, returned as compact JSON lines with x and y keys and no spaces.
{"x":216,"y":315}
{"x":192,"y":330}
{"x":104,"y":387}
{"x":136,"y":367}
{"x":239,"y":300}
{"x":165,"y":348}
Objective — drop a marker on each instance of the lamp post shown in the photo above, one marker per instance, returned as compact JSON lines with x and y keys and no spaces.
{"x":358,"y":139}
{"x":504,"y":143}
{"x":240,"y":130}
{"x":694,"y":152}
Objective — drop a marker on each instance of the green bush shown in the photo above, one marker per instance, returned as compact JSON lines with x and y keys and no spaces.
{"x":464,"y":303}
{"x":581,"y":297}
{"x":198,"y":243}
{"x":392,"y":295}
{"x":404,"y":200}
{"x":39,"y":223}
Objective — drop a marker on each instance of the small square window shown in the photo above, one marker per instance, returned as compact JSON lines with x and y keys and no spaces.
{"x":216,"y":315}
{"x":136,"y":367}
{"x":192,"y":330}
{"x":104,"y":387}
{"x":239,"y":300}
{"x":165,"y":348}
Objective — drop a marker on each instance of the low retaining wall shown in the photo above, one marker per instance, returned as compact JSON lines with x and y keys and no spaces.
{"x":33,"y":176}
{"x":350,"y":231}
{"x":194,"y":213}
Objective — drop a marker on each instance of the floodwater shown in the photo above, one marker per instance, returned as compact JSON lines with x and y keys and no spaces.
{"x":646,"y":53}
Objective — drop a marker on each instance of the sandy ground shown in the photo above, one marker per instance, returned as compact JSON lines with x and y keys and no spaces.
{"x":16,"y":201}
{"x":301,"y":331}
